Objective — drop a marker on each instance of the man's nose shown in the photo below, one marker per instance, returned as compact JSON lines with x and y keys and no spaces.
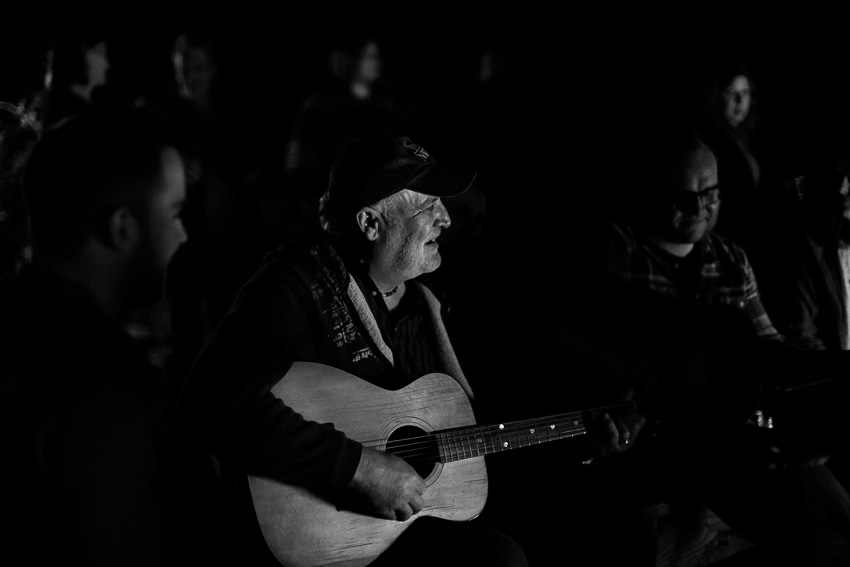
{"x":693,"y":204}
{"x":443,"y":219}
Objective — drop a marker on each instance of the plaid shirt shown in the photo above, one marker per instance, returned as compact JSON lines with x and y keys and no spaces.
{"x":723,"y":274}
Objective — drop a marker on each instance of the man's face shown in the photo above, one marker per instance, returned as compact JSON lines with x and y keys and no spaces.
{"x":844,"y":193}
{"x":409,"y":242}
{"x":688,"y":200}
{"x":162,"y":229}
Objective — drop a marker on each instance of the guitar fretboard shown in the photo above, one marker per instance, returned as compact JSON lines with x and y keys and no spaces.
{"x":468,"y":442}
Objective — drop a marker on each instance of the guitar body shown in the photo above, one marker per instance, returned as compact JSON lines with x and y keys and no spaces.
{"x":304,"y":530}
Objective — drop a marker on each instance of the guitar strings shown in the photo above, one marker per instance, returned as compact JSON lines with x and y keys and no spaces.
{"x":512,"y":428}
{"x":436,"y":446}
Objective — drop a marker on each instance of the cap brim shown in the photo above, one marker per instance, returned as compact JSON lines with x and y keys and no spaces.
{"x":443,"y":181}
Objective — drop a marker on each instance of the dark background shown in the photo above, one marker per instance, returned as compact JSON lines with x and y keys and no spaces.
{"x":590,"y":83}
{"x":587,"y":62}
{"x":595,"y":72}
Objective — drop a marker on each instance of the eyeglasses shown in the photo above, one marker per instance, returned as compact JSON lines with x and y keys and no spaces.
{"x":684,"y":200}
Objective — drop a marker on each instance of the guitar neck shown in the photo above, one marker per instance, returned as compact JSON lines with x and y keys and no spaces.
{"x":467,"y":442}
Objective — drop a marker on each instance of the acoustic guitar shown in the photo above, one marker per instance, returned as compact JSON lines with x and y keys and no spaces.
{"x":429,"y":423}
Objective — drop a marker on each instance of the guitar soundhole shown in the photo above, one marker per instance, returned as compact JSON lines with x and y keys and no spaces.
{"x":415,"y":446}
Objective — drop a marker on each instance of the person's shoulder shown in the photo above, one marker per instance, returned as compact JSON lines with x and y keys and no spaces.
{"x":715,"y":237}
{"x":603,"y":251}
{"x":288,"y":253}
{"x":727,"y":247}
{"x":620,"y":237}
{"x":593,"y":232}
{"x":621,"y":230}
{"x":300,"y":262}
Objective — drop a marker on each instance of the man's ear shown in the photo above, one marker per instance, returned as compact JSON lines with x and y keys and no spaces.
{"x":368,"y":221}
{"x":123,"y":230}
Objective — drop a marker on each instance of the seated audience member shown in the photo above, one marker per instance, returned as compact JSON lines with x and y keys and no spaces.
{"x":91,"y":474}
{"x":355,"y":295}
{"x":730,"y":130}
{"x":673,"y":311}
{"x":80,"y":69}
{"x":808,"y":297}
{"x":810,"y":305}
{"x":753,"y":160}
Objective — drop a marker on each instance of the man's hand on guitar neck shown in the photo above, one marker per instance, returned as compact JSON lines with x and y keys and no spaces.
{"x":386,"y":486}
{"x":615,"y":431}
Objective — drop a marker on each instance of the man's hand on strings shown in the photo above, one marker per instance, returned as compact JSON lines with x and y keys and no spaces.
{"x":386,"y":486}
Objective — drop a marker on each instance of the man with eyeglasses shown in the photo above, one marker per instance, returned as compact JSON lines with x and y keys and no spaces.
{"x":671,"y":311}
{"x":671,"y":251}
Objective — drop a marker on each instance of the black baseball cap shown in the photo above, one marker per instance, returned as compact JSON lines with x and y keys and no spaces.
{"x":377,"y":165}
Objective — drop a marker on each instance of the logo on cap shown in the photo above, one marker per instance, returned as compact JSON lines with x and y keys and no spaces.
{"x":418,"y":150}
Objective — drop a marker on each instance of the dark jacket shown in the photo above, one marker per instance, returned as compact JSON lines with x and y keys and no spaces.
{"x":295,"y":308}
{"x":810,"y":309}
{"x":86,"y":474}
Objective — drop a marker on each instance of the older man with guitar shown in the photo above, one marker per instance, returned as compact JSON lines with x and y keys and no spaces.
{"x":332,"y":385}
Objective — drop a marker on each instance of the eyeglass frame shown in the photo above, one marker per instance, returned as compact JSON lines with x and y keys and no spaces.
{"x":705,"y":196}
